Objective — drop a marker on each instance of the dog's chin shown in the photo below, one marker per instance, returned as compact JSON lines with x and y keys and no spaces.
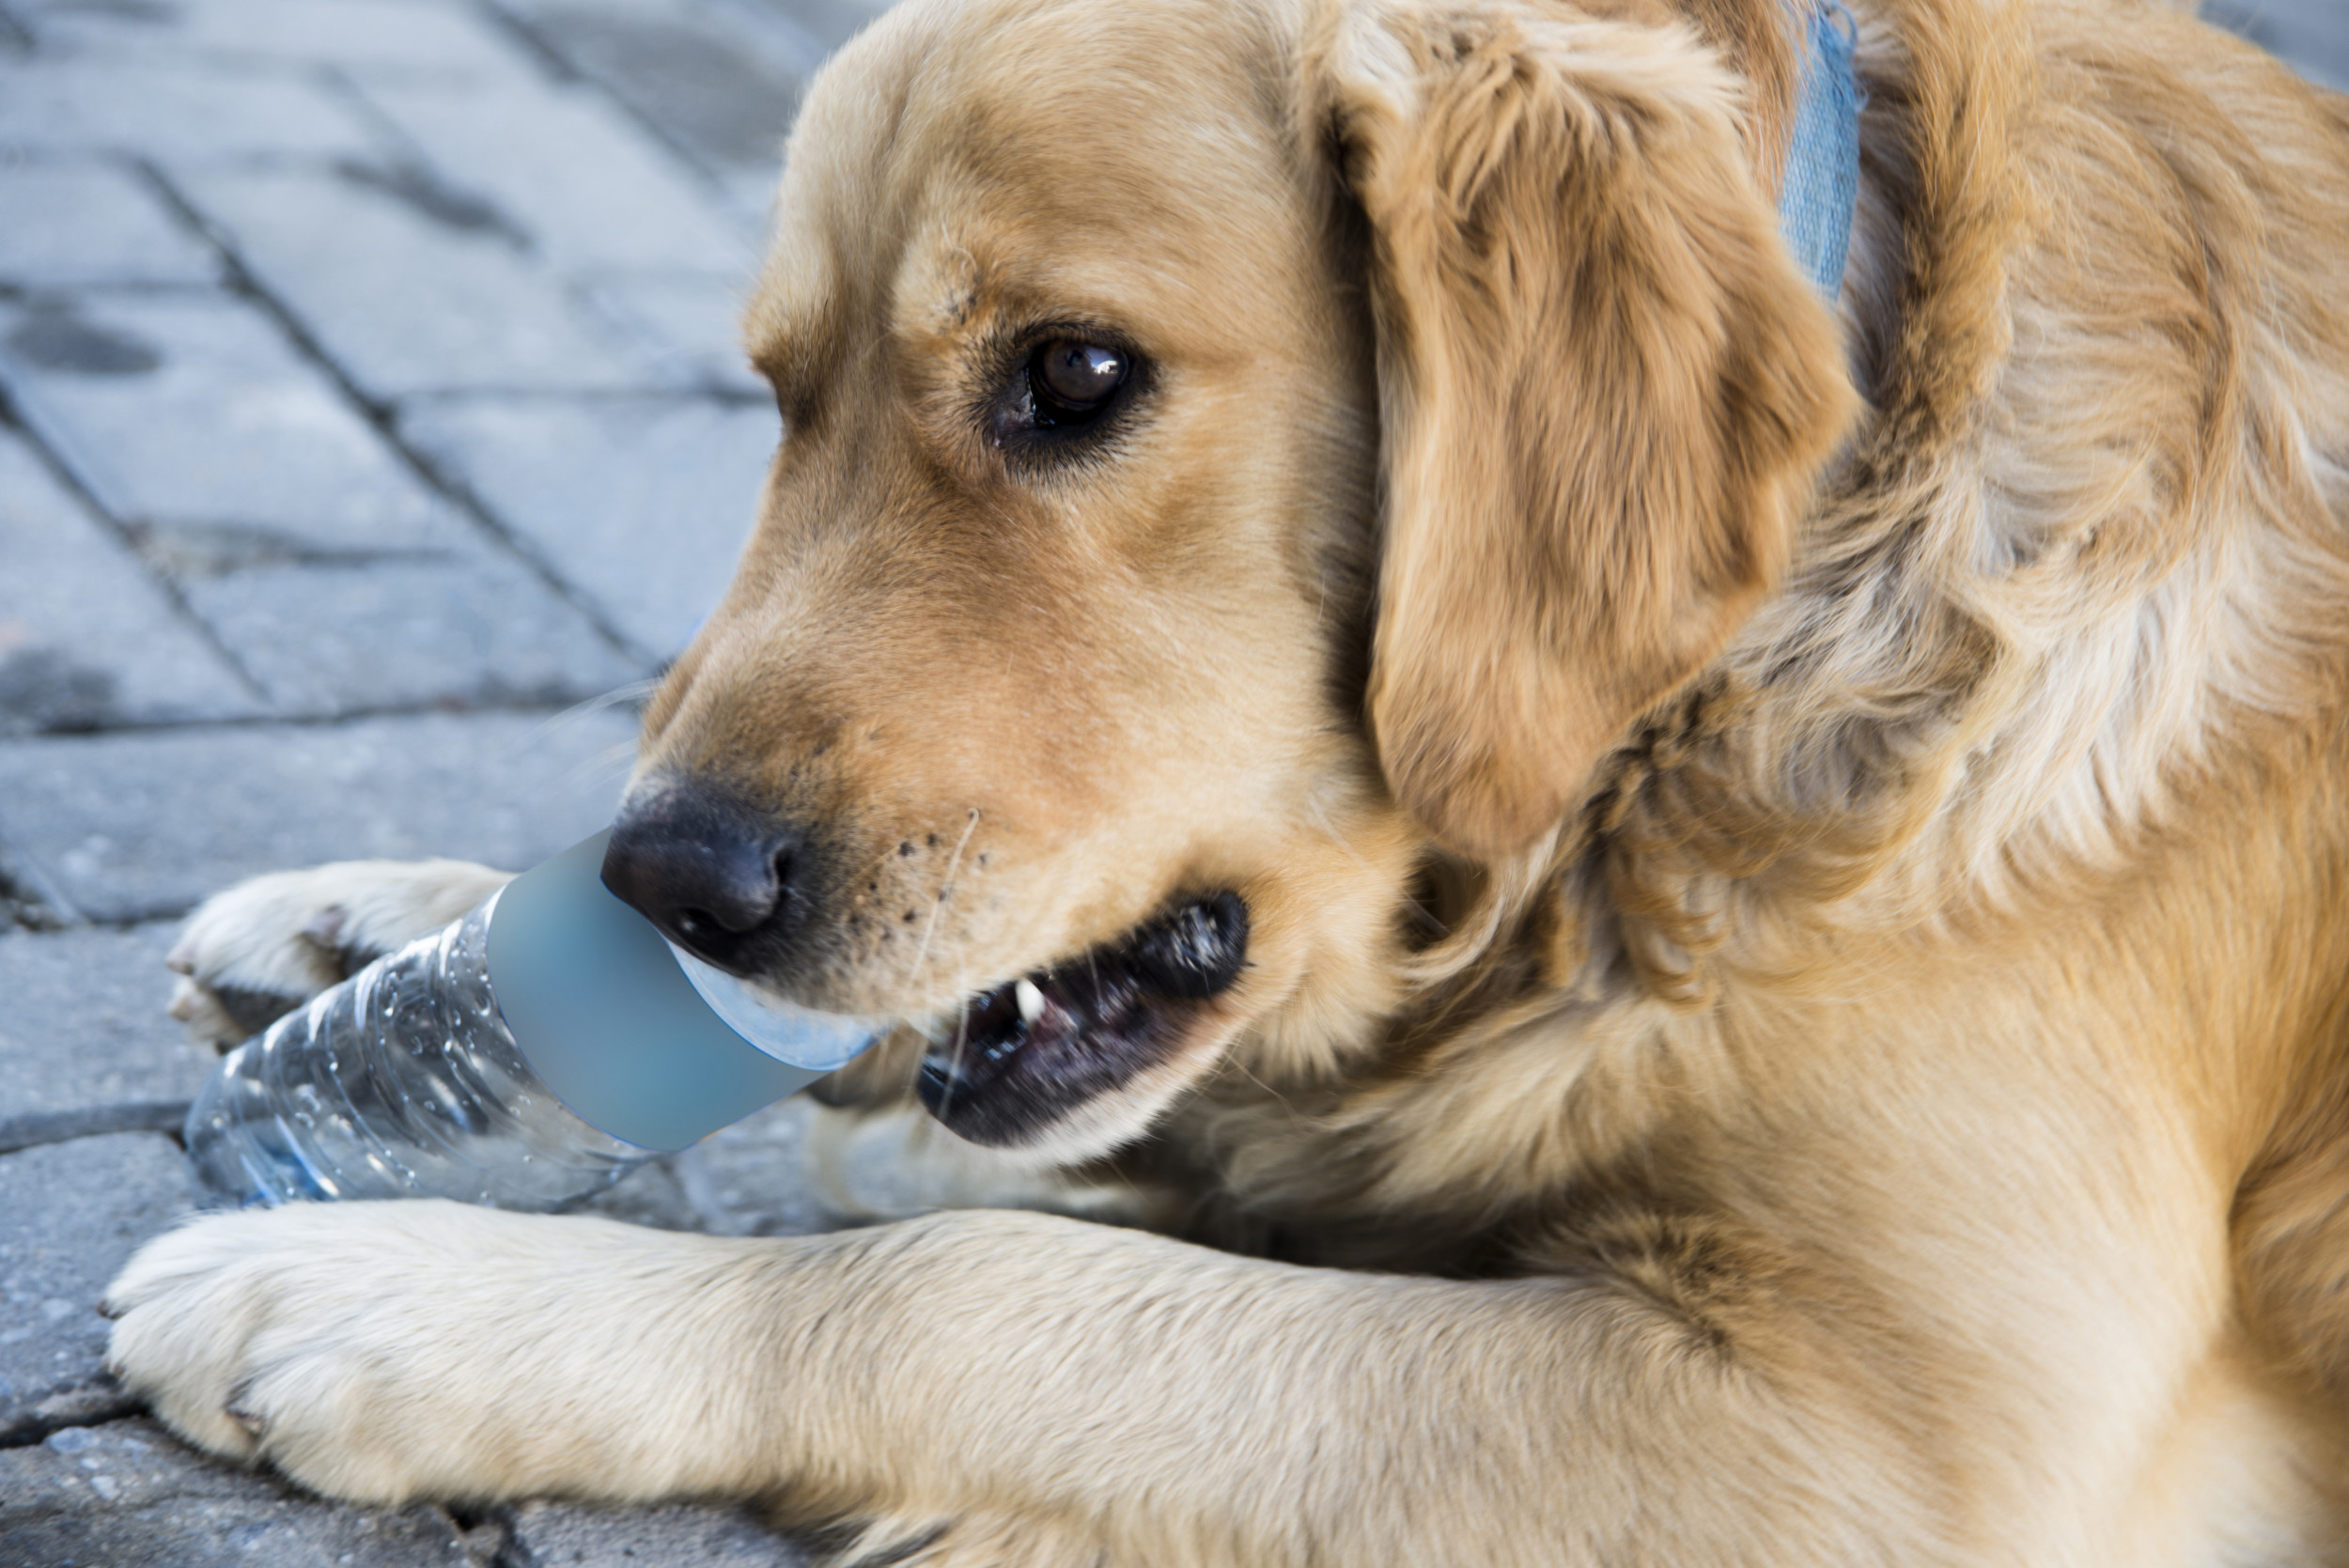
{"x":1075,"y":1058}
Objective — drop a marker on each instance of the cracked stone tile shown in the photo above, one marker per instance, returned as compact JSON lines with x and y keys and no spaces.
{"x":192,"y":413}
{"x":141,"y":826}
{"x":408,"y":36}
{"x":393,"y":633}
{"x":126,"y":1494}
{"x":85,"y":1046}
{"x":691,"y":323}
{"x":642,"y":505}
{"x":183,"y":115}
{"x":589,"y":188}
{"x":88,"y":638}
{"x":92,"y":222}
{"x":411,"y":292}
{"x":47,"y":685}
{"x":71,"y":1214}
{"x":720,"y":81}
{"x":313,"y":553}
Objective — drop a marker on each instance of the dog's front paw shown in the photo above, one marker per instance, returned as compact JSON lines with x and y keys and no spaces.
{"x":383,"y":1352}
{"x":264,"y":947}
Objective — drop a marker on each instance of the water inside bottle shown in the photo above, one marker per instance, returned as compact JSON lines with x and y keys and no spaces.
{"x":402,"y":1082}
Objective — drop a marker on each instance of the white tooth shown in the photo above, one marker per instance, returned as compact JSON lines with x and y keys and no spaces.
{"x":1030,"y":1000}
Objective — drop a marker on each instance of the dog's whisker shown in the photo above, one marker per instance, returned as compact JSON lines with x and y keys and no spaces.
{"x":616,"y":758}
{"x":1240,"y":1067}
{"x":632,"y":691}
{"x":555,"y":724}
{"x":962,"y":1038}
{"x":1319,"y":811}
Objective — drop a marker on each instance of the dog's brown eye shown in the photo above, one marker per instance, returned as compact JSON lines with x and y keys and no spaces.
{"x":1064,"y":393}
{"x":1072,"y":379}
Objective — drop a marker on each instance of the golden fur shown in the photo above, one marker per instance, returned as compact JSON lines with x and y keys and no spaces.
{"x":1795,"y":1005}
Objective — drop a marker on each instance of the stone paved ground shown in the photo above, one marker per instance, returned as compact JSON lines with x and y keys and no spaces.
{"x":370,"y":428}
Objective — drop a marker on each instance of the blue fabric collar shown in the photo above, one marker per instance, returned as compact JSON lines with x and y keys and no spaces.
{"x":1822,"y":181}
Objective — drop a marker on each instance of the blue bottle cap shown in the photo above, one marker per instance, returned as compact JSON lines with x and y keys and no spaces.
{"x":617,"y":1030}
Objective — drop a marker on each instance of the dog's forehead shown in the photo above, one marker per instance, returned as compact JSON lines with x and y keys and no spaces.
{"x":1069,"y":153}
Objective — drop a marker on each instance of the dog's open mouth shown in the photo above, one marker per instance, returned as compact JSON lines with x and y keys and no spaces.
{"x":1026,"y":1054}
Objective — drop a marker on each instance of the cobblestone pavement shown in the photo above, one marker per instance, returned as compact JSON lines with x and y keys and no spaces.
{"x":370,"y":429}
{"x":371,"y":426}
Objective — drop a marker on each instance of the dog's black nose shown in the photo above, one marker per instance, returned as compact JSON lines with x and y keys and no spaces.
{"x":716,"y":875}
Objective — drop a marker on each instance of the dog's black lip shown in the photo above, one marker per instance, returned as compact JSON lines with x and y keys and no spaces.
{"x":1107,"y":1015}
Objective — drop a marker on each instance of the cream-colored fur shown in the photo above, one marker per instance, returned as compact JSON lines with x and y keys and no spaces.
{"x":277,"y":939}
{"x":1795,"y":1005}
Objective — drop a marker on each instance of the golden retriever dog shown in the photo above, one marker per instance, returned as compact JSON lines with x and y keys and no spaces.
{"x":1706,"y":921}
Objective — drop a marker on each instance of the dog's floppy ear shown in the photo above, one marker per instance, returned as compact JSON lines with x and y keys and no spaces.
{"x":1604,"y":386}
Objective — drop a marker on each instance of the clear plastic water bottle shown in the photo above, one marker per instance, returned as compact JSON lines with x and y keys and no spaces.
{"x":527,"y":1056}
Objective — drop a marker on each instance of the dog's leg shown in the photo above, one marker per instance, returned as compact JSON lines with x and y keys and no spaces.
{"x":267,"y":945}
{"x":1027,"y":1388}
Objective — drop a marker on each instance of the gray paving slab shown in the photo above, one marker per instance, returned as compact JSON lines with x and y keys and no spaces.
{"x":177,"y":112}
{"x":312,"y":551}
{"x":411,"y":183}
{"x":408,"y":293}
{"x":749,"y":1179}
{"x":132,"y":825}
{"x":571,"y":1535}
{"x":2311,"y":35}
{"x":690,"y":324}
{"x":834,"y":22}
{"x":592,"y":192}
{"x":87,"y":636}
{"x":86,"y":221}
{"x":473,"y":630}
{"x":26,"y":904}
{"x":71,"y":1214}
{"x":648,"y":1195}
{"x":128,"y":1496}
{"x":795,"y":1169}
{"x":720,"y":81}
{"x":753,"y":1178}
{"x":411,"y":37}
{"x":195,"y":409}
{"x":641,"y":504}
{"x":85,"y":1046}
{"x":757,"y":1178}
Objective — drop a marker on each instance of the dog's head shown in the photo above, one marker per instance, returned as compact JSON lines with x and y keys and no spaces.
{"x":1232,"y":452}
